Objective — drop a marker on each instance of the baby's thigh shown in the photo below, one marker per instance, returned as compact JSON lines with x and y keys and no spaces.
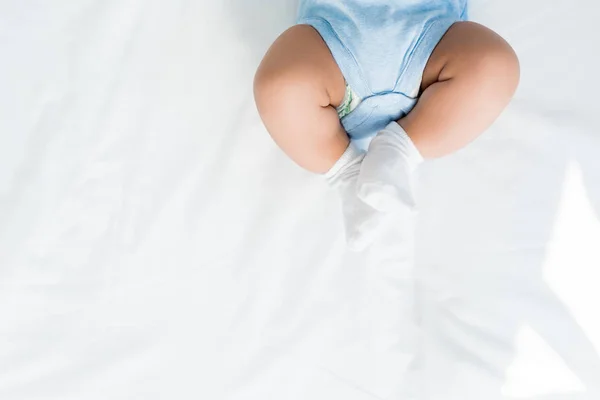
{"x":295,"y":88}
{"x":300,"y":57}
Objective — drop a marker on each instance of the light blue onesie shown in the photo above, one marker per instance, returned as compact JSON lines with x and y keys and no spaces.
{"x":381,"y":47}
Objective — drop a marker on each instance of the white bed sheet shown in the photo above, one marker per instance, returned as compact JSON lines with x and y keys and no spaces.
{"x":155,"y":244}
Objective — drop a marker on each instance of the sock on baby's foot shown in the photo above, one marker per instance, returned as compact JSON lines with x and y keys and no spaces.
{"x":361,"y":221}
{"x":387,"y":172}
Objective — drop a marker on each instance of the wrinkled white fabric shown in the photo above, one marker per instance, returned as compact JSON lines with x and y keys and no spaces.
{"x":361,"y":221}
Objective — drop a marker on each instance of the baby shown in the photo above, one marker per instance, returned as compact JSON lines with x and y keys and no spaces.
{"x":412,"y":75}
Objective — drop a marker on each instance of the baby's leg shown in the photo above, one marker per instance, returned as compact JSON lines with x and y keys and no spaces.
{"x":468,"y":81}
{"x":297,"y":88}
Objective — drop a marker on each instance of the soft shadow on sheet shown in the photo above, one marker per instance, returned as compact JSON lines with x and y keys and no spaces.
{"x":482,"y":252}
{"x":259,"y":22}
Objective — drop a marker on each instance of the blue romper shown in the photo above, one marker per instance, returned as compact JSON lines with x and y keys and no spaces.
{"x":381,"y":47}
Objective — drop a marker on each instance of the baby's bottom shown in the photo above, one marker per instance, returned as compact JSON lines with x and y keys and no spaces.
{"x":468,"y":80}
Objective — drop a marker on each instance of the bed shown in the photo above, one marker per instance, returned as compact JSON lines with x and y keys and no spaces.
{"x":155,"y":243}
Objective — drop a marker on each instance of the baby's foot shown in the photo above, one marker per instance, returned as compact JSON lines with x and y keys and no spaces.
{"x":387,"y":172}
{"x":362,"y":222}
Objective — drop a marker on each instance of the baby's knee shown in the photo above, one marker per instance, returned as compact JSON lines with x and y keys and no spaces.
{"x":297,"y":71}
{"x":272,"y":88}
{"x":498,"y":64}
{"x":477,"y":54}
{"x":285,"y":93}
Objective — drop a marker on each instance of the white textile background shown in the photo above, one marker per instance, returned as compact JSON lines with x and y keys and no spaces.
{"x":155,"y":244}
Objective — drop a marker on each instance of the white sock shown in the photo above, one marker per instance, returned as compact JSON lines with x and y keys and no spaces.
{"x":387,"y":173}
{"x":361,"y":221}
